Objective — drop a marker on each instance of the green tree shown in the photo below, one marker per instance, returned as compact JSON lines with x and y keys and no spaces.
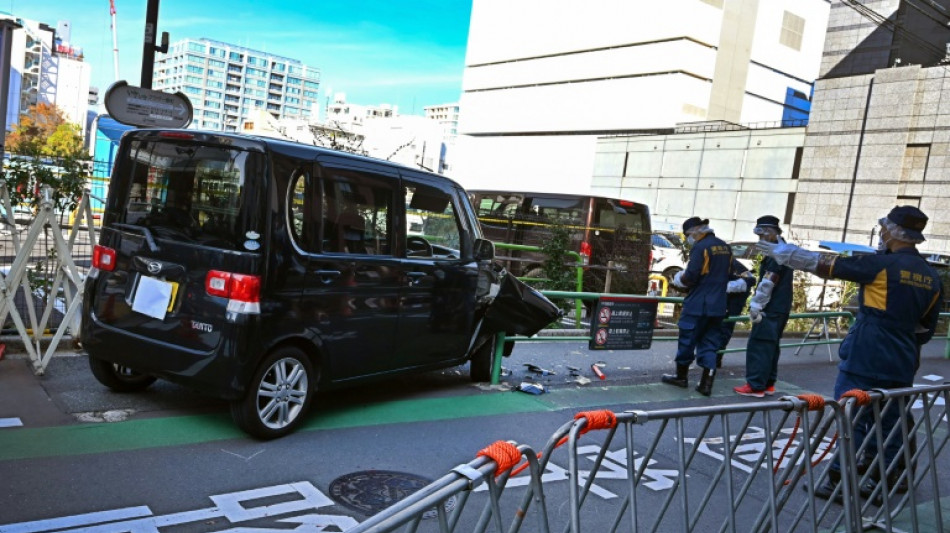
{"x":44,"y":130}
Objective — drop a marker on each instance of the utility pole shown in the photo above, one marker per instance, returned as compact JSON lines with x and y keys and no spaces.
{"x":148,"y":45}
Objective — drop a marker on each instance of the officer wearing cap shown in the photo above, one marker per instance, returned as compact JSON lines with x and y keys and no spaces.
{"x":899,"y":303}
{"x":706,"y":276}
{"x":768,"y":311}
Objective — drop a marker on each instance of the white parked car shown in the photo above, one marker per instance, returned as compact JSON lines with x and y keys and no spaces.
{"x":667,"y":257}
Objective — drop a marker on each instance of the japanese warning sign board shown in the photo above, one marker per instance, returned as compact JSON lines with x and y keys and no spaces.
{"x":622,"y":323}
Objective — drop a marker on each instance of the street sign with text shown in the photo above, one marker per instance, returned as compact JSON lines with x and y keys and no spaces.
{"x":148,"y":108}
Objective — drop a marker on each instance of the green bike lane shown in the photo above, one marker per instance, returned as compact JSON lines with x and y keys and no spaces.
{"x":165,"y":431}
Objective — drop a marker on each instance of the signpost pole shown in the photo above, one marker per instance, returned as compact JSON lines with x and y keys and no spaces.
{"x":148,"y":44}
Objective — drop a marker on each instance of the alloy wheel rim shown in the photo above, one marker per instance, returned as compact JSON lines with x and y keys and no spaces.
{"x":281,"y":393}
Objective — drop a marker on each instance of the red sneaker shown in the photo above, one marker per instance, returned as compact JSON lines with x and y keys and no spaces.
{"x":770,"y":390}
{"x":746,"y":390}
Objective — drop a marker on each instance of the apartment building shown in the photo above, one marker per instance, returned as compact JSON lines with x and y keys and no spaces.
{"x":447,"y":115}
{"x":46,"y":68}
{"x":226,"y":82}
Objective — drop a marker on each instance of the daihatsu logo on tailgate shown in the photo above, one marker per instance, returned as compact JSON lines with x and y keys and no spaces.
{"x":154,"y":267}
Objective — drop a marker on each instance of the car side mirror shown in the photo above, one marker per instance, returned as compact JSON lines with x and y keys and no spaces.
{"x":484,"y":249}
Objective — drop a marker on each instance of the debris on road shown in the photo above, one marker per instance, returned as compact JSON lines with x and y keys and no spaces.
{"x":531,"y":388}
{"x":538,"y":370}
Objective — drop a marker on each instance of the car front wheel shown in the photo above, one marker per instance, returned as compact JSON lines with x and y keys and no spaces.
{"x":278,"y":397}
{"x":117,"y":377}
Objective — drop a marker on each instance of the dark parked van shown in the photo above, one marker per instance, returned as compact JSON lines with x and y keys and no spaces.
{"x":603,"y":229}
{"x":261,"y":271}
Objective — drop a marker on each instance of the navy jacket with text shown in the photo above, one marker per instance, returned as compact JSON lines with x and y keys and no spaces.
{"x":899,"y":304}
{"x":706,"y":276}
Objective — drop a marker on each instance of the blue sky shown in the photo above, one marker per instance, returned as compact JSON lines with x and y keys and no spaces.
{"x":410,"y":53}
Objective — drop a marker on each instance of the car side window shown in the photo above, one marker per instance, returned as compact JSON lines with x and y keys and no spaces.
{"x":356,"y":213}
{"x":432,"y":227}
{"x":304,"y":204}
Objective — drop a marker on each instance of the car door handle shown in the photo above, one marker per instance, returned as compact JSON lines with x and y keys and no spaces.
{"x":415,"y":277}
{"x":326,"y":276}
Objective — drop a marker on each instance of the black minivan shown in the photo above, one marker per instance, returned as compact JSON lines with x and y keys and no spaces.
{"x":260,"y":270}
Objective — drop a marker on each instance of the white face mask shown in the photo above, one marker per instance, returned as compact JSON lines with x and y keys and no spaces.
{"x":691,"y":240}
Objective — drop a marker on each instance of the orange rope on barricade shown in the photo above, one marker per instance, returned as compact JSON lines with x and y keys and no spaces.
{"x":815,"y":402}
{"x":603,"y":419}
{"x":504,"y":453}
{"x":862,"y":397}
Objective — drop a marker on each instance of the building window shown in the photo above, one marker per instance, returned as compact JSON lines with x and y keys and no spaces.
{"x":793,"y":28}
{"x":195,"y":70}
{"x":219,"y":52}
{"x":235,"y":56}
{"x":215,"y":63}
{"x":197,"y":47}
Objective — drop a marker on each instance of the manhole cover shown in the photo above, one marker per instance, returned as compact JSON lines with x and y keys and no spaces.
{"x":372,"y":491}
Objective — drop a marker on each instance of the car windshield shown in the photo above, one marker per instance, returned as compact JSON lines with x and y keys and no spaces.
{"x":186,"y":191}
{"x":662,"y":242}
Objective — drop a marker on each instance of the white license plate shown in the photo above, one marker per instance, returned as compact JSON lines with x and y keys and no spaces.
{"x":154,"y":297}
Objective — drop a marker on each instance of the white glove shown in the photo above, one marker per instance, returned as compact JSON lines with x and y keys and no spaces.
{"x":678,"y":280}
{"x":736,"y":285}
{"x":755,"y":312}
{"x":790,"y":255}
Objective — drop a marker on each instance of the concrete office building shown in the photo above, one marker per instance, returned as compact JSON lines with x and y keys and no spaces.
{"x":543,"y":79}
{"x":880,"y":128}
{"x":226,"y":82}
{"x":878,"y":135}
{"x":46,"y":68}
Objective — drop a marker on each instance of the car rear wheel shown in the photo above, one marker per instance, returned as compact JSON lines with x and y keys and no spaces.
{"x":480,"y":366}
{"x":117,"y":377}
{"x":278,"y":397}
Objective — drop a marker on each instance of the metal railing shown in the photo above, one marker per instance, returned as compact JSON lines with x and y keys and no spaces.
{"x":501,"y":338}
{"x":735,"y":467}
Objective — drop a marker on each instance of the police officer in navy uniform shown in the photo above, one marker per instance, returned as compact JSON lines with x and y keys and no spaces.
{"x":899,"y":303}
{"x":768,"y":311}
{"x":706,"y":276}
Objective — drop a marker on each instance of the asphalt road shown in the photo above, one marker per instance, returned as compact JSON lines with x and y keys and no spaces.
{"x":88,"y":458}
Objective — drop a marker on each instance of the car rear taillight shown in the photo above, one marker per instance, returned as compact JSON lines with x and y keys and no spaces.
{"x":585,"y":252}
{"x":243,"y":291}
{"x":103,"y":258}
{"x":650,"y":259}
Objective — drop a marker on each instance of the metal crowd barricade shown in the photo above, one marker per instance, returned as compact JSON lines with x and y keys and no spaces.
{"x":736,"y":467}
{"x":896,"y":498}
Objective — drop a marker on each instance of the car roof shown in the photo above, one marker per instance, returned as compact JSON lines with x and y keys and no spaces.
{"x":845,"y":247}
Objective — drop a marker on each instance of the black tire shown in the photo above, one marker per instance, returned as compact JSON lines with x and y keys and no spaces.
{"x":117,"y":377}
{"x":480,"y":365}
{"x":279,"y":396}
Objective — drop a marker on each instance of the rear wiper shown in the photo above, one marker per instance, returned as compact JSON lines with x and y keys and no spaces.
{"x":145,"y":231}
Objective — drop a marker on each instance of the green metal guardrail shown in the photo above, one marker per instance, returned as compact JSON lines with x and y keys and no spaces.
{"x":501,"y":338}
{"x":580,"y":271}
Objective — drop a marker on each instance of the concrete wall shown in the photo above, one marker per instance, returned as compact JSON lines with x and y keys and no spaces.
{"x":876,"y":140}
{"x":730,"y":177}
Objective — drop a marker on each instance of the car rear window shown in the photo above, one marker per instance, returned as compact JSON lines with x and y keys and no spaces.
{"x":187,"y":191}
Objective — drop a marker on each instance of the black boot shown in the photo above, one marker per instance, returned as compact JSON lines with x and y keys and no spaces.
{"x":680,"y":379}
{"x":827,"y":488}
{"x":719,"y":360}
{"x":706,"y":382}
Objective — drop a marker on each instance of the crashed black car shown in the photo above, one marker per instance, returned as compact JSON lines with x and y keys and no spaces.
{"x":261,"y":271}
